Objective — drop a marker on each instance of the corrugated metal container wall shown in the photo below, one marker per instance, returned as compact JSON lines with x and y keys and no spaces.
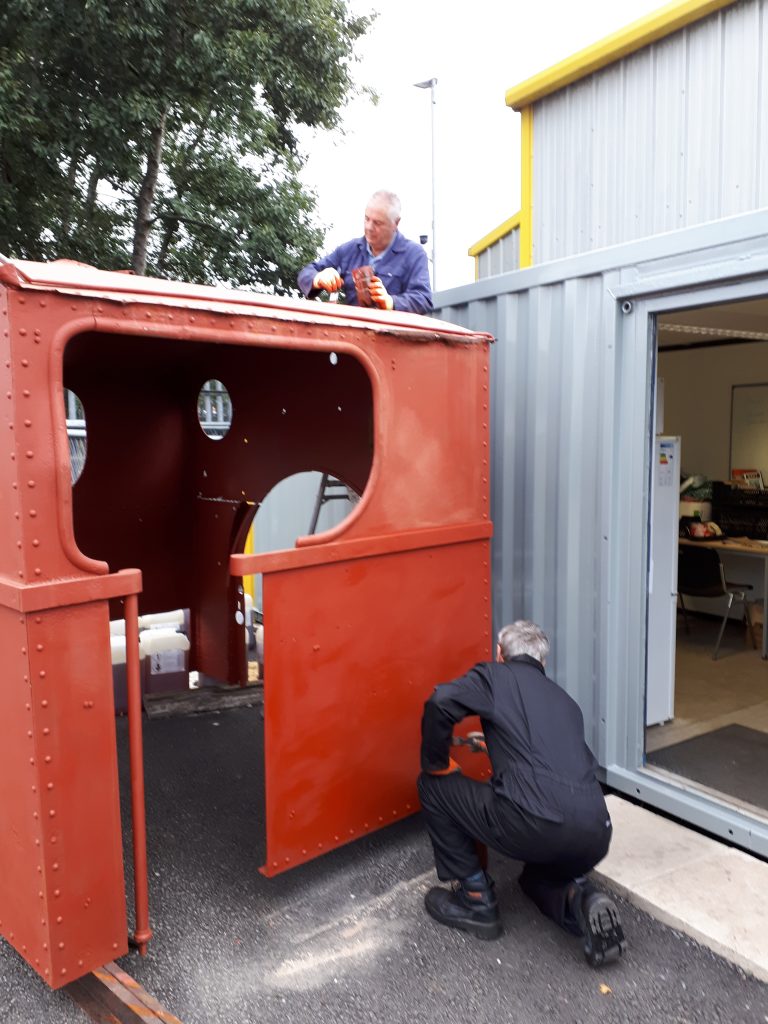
{"x":669,"y":137}
{"x":552,"y":382}
{"x":572,"y":426}
{"x":502,"y":256}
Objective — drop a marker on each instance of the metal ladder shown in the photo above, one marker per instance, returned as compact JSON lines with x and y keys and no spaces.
{"x":330,"y":489}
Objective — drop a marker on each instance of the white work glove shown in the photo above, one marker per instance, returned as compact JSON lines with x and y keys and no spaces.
{"x":328,"y":280}
{"x":379,"y":294}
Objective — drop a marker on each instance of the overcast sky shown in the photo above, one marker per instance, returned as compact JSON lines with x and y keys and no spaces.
{"x":477,"y":50}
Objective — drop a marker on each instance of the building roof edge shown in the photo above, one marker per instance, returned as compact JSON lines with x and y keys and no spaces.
{"x":646,"y":30}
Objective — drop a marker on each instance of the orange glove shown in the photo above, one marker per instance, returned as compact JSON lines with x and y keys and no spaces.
{"x":453,"y":766}
{"x":328,"y":280}
{"x":379,"y":294}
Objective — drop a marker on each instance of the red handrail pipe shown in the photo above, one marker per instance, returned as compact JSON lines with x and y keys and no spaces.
{"x":142,"y":933}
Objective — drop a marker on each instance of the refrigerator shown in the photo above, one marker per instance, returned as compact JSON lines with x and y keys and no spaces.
{"x":662,"y":581}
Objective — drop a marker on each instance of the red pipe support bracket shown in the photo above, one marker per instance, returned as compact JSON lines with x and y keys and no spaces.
{"x":142,"y":933}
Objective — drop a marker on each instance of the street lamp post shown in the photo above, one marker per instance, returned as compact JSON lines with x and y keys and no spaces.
{"x":430,"y":84}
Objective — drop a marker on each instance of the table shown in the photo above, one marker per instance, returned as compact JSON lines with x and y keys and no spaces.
{"x":750,"y":549}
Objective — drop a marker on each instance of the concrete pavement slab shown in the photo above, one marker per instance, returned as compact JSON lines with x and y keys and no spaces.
{"x":712,"y":892}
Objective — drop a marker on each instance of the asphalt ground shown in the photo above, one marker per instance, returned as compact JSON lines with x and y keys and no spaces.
{"x":346,"y":937}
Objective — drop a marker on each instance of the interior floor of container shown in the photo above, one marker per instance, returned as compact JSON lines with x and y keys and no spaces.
{"x":731,"y":690}
{"x":711,"y":696}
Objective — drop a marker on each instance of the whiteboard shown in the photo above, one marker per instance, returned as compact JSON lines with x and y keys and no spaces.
{"x":749,"y":427}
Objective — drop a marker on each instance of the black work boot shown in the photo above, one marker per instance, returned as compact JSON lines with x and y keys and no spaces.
{"x":598,"y":920}
{"x":472,"y":908}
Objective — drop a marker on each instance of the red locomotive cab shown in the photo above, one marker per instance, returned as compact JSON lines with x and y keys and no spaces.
{"x":360,"y":621}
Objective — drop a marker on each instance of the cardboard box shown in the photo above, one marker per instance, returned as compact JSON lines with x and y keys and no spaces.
{"x":167,"y":658}
{"x":119,"y":674}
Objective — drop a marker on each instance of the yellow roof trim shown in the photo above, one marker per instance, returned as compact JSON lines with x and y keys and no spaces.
{"x":640,"y":33}
{"x":494,"y":236}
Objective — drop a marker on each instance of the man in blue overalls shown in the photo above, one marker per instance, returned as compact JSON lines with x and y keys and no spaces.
{"x":397,"y":274}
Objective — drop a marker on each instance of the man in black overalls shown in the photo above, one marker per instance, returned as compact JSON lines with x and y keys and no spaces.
{"x":543,"y":806}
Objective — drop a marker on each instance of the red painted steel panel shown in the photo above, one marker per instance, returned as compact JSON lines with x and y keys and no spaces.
{"x":352,"y":650}
{"x":61,"y":866}
{"x":23,"y":917}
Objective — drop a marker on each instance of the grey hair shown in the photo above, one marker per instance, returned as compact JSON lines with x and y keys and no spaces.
{"x":389,"y":201}
{"x":523,"y":637}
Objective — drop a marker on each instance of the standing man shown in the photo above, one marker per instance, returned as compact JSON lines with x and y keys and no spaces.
{"x":543,"y":805}
{"x":400,"y":270}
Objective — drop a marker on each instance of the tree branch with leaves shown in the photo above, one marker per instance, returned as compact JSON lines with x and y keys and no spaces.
{"x":162,"y":134}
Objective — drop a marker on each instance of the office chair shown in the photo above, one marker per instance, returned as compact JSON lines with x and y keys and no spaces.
{"x":700,"y":574}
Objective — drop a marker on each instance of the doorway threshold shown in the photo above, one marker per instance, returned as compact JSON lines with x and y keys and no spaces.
{"x":691,"y":786}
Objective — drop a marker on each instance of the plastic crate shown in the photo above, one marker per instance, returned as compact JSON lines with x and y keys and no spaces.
{"x":740,"y":513}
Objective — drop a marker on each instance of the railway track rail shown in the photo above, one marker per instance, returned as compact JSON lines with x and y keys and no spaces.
{"x":110,"y":996}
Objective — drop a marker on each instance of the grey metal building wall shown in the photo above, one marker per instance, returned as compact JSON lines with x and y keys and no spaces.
{"x":671,"y":136}
{"x":500,"y":257}
{"x":551,"y":386}
{"x":572,"y":372}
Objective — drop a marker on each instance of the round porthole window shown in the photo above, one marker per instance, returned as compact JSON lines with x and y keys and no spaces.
{"x":214,"y":410}
{"x":76,"y":432}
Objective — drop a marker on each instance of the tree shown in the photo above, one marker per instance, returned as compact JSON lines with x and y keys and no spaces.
{"x":161,"y":134}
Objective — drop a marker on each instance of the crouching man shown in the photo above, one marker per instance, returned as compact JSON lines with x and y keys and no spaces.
{"x":543,"y":805}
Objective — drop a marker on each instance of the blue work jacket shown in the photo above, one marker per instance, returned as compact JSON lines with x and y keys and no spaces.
{"x":403,"y":270}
